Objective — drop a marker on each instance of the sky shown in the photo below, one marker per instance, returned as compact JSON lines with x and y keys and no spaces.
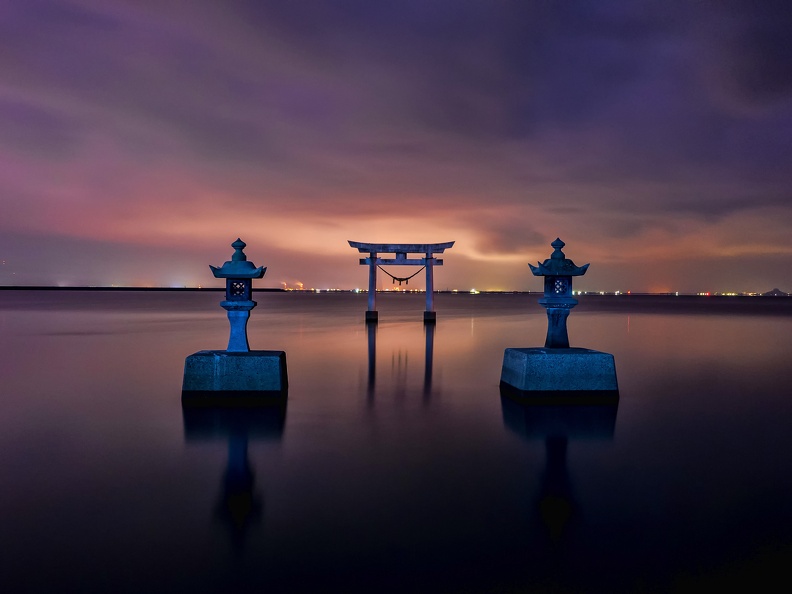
{"x":139,"y":139}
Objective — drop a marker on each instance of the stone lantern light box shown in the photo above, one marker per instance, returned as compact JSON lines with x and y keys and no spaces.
{"x":237,"y":374}
{"x":557,"y":370}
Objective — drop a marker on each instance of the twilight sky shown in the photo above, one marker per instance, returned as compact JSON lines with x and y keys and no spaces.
{"x":139,"y":138}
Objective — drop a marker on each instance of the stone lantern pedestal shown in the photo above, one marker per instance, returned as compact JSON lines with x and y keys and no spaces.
{"x":236,"y":375}
{"x":557,"y":371}
{"x":566,"y":372}
{"x":222,"y":377}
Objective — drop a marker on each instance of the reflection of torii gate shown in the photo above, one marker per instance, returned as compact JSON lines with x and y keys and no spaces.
{"x":401,"y":250}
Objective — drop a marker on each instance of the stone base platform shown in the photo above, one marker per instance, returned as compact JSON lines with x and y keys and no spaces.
{"x":564,"y":374}
{"x":234,"y":378}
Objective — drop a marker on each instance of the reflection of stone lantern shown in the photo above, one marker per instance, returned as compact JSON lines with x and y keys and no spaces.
{"x":558,"y":425}
{"x":239,"y":275}
{"x":237,"y":374}
{"x":240,"y":505}
{"x":558,"y":370}
{"x":558,"y":300}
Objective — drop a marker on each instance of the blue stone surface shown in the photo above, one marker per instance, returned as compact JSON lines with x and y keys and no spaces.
{"x":226,"y":371}
{"x":558,"y":370}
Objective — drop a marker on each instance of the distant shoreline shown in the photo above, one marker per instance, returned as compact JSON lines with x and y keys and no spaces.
{"x":448,"y":302}
{"x":47,"y":288}
{"x":449,"y":292}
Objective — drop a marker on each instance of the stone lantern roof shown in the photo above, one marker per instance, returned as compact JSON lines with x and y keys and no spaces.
{"x":238,"y":266}
{"x":558,"y":264}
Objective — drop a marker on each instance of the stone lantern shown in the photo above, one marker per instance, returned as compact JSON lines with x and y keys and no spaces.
{"x":558,"y":272}
{"x":236,"y":375}
{"x":239,"y":275}
{"x":557,"y":371}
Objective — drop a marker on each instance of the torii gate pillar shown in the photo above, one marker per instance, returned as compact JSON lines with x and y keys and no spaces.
{"x":429,"y":315}
{"x":401,"y":250}
{"x":371,"y":312}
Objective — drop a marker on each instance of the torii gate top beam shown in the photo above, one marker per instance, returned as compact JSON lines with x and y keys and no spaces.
{"x":401,"y":248}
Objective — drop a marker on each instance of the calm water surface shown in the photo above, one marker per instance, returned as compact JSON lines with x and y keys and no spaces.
{"x":395,"y":464}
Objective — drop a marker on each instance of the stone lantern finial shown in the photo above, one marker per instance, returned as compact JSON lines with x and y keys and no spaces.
{"x":238,"y":246}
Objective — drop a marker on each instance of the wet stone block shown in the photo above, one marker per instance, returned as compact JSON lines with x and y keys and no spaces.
{"x":216,"y":375}
{"x":548,"y":371}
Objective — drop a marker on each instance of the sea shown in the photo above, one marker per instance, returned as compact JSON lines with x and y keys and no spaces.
{"x":394,"y":464}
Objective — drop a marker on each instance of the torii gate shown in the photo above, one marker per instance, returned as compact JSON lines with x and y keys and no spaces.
{"x":401,"y":250}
